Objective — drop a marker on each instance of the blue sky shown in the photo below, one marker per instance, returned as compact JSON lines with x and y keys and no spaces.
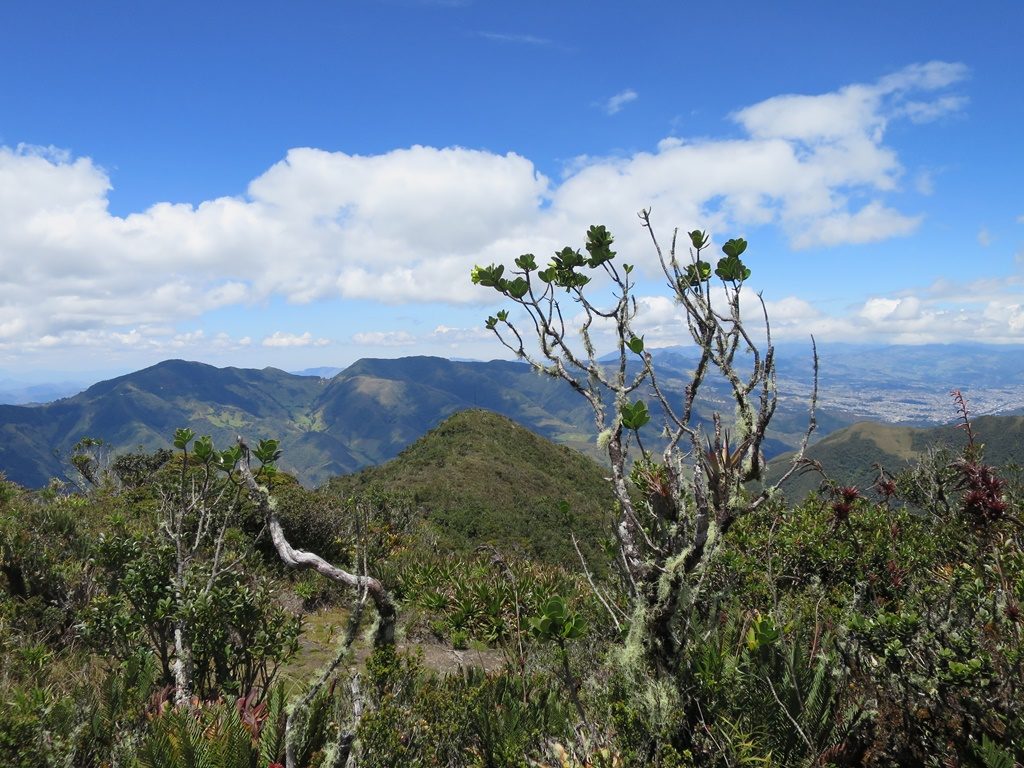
{"x":306,"y":183}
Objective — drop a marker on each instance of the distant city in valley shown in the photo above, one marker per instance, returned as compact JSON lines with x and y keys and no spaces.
{"x":898,"y":384}
{"x":904,"y":405}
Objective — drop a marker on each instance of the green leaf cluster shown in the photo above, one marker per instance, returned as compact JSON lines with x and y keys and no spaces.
{"x":730,"y":268}
{"x":635,"y":415}
{"x":557,"y":622}
{"x":563,"y":271}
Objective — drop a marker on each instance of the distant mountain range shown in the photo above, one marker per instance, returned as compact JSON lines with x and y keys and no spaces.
{"x":364,"y":415}
{"x":22,"y":393}
{"x":332,"y":423}
{"x":323,"y":372}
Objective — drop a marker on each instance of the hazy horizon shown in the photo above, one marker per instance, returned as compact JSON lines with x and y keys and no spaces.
{"x":789,"y":349}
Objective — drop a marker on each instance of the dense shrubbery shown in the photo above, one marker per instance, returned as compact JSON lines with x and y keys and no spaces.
{"x":862,"y":627}
{"x":88,"y":610}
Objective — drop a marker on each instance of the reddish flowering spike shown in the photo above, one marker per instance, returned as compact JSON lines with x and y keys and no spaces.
{"x":961,"y":406}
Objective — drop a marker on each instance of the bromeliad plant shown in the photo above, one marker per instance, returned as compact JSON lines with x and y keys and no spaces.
{"x":666,"y":541}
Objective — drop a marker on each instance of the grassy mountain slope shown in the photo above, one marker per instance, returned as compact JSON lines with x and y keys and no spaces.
{"x":141,"y":411}
{"x":363,"y":416}
{"x":386,"y":404}
{"x":849,"y":454}
{"x":480,"y":477}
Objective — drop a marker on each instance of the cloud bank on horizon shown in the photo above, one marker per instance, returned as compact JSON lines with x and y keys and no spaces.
{"x":404,"y":227}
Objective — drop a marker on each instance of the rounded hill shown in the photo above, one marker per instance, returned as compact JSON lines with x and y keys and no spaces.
{"x":480,"y":478}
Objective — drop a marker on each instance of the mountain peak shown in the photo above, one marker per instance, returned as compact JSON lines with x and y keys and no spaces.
{"x":482,"y":478}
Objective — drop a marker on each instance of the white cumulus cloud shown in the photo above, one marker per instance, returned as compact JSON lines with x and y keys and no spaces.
{"x":384,"y":338}
{"x":407,"y":225}
{"x":282,"y":339}
{"x":456,"y":336}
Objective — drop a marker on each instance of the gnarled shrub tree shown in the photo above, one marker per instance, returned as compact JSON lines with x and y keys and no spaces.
{"x":700,"y":483}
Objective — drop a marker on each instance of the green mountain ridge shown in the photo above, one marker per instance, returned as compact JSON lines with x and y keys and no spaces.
{"x":364,"y":415}
{"x":849,"y":455}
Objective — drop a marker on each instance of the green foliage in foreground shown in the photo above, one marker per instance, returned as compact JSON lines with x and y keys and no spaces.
{"x":879,"y":628}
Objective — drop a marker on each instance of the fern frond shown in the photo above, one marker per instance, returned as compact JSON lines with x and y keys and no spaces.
{"x":271,"y":745}
{"x":994,"y":756}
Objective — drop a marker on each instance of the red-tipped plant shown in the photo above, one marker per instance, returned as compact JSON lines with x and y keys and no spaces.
{"x":843,"y":499}
{"x":982,"y":499}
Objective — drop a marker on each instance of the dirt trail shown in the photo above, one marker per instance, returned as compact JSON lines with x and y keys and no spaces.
{"x":323,"y":632}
